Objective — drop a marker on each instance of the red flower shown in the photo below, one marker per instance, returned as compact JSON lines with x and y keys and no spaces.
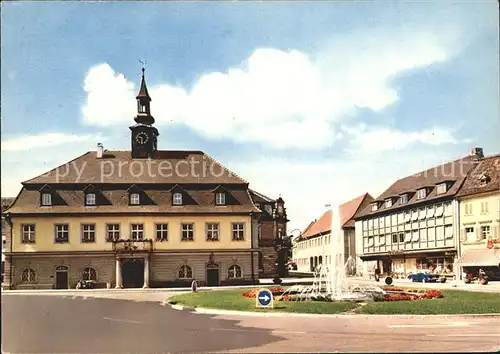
{"x":432,"y":294}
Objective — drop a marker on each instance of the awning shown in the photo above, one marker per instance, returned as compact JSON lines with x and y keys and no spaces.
{"x":481,"y":257}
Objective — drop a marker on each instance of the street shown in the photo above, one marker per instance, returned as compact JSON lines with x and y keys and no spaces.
{"x":87,"y":324}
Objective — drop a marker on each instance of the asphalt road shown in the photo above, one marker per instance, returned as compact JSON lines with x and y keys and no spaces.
{"x":75,"y":324}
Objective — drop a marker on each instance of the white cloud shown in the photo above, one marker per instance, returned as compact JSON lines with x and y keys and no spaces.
{"x":307,"y":186}
{"x":373,"y":140}
{"x":43,"y":140}
{"x":279,"y":98}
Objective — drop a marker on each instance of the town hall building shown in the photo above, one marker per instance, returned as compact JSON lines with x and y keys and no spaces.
{"x":140,"y":218}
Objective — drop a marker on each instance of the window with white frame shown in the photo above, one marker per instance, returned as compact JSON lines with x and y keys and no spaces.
{"x":370,"y":241}
{"x":135,"y":199}
{"x":374,"y":206}
{"x":395,"y":238}
{"x":28,"y":276}
{"x":234,"y":271}
{"x":448,"y":231}
{"x":439,"y":233}
{"x":441,"y":188}
{"x":388,"y":203}
{"x":46,"y":199}
{"x":404,"y":198}
{"x":113,"y":232}
{"x":212,"y":232}
{"x":89,"y":274}
{"x":62,"y":233}
{"x":187,"y":232}
{"x":28,"y":233}
{"x":470,"y":235}
{"x":401,"y":237}
{"x":161,"y":232}
{"x":485,"y":232}
{"x":238,"y":231}
{"x":177,"y":199}
{"x":88,"y":233}
{"x":185,"y":272}
{"x":468,"y":209}
{"x":421,"y":193}
{"x":90,"y":199}
{"x":220,"y":198}
{"x":137,"y":232}
{"x":484,"y":207}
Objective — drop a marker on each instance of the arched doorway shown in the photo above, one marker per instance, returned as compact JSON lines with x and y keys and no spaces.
{"x":133,"y":273}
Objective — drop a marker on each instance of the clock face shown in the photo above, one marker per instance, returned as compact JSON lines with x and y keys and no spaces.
{"x":141,"y":138}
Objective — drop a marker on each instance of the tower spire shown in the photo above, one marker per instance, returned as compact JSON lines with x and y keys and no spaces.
{"x":144,"y":103}
{"x":143,"y":92}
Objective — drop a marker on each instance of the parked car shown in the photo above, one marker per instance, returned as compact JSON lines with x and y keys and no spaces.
{"x":426,"y":278}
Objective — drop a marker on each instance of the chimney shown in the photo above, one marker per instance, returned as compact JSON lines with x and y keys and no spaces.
{"x":100,"y":150}
{"x":477,"y":152}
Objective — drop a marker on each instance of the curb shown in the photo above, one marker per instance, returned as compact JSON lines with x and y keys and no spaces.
{"x":207,"y":311}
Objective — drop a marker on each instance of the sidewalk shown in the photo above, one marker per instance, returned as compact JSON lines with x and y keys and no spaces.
{"x":493,"y":286}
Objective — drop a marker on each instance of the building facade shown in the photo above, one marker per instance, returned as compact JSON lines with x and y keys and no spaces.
{"x":6,"y":202}
{"x":139,"y":218}
{"x":479,"y":202}
{"x":414,"y":225}
{"x":314,"y":246}
{"x":272,"y":227}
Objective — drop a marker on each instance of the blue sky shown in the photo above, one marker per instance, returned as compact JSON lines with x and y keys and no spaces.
{"x":302,"y":99}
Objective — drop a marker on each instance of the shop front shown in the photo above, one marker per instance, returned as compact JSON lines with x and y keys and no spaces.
{"x":400,"y":264}
{"x":486,"y":259}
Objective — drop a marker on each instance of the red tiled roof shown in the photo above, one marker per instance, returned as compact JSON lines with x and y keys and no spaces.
{"x":347,"y":212}
{"x":117,"y":201}
{"x":489,"y":168}
{"x":169,"y":166}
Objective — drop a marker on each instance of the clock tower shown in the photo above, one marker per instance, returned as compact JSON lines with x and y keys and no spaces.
{"x":144,"y":135}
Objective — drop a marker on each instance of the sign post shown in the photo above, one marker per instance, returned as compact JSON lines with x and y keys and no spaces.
{"x":264,"y":299}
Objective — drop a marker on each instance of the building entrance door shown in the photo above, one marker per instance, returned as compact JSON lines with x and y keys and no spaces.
{"x":213,"y":275}
{"x":133,"y":273}
{"x":62,"y":277}
{"x":386,"y":266}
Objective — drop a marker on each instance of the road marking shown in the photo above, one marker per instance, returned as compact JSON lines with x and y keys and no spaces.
{"x":465,"y":335}
{"x":255,"y":330}
{"x":120,"y":320}
{"x":452,"y":324}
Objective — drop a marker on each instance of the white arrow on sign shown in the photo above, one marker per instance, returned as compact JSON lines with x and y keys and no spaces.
{"x":265,"y":298}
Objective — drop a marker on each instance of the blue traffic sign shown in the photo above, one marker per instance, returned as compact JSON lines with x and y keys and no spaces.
{"x":264,"y":298}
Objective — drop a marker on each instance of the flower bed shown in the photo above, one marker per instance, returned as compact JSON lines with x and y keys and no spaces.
{"x":253,"y":293}
{"x":409,"y":294}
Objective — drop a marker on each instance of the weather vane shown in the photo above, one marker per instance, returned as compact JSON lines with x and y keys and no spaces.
{"x":143,"y":64}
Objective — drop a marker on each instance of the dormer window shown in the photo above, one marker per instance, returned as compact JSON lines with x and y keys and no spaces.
{"x":374,"y":206}
{"x":388,"y":203}
{"x":177,"y":199}
{"x":484,"y":179}
{"x":441,"y":188}
{"x":46,"y":199}
{"x":220,"y":198}
{"x":135,"y":199}
{"x":404,"y":199}
{"x":90,"y":199}
{"x":421,"y":193}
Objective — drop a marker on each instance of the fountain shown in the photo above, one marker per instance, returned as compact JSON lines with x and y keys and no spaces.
{"x":331,"y":283}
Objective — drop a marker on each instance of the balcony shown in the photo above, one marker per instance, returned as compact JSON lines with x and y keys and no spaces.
{"x":131,"y":246}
